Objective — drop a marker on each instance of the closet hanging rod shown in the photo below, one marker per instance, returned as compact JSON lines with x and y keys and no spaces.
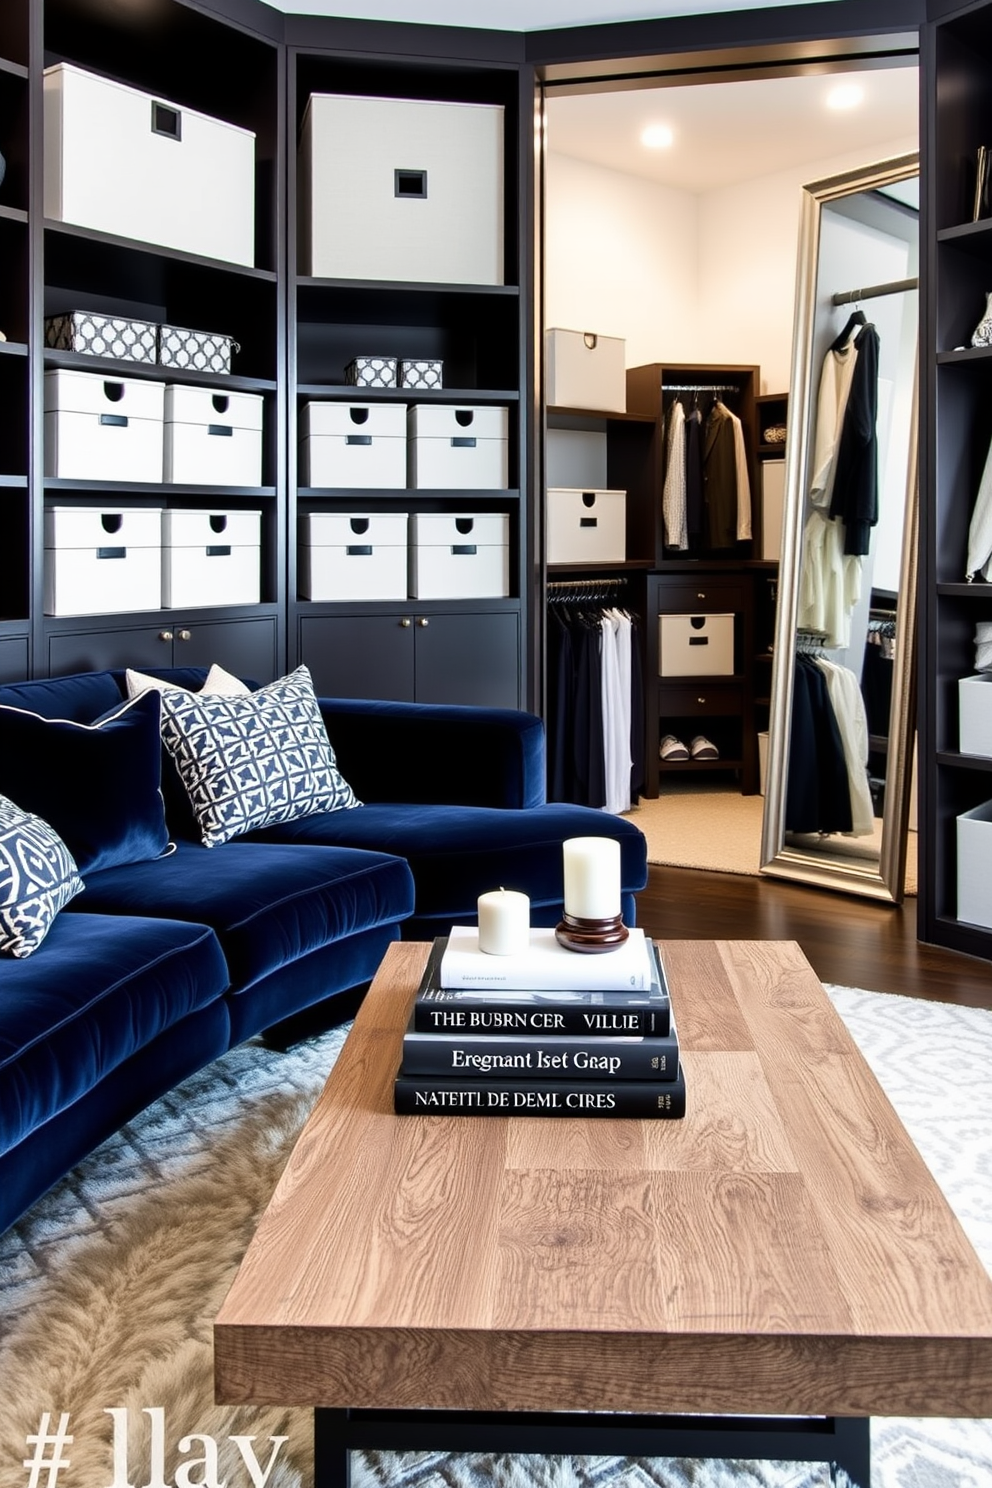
{"x":700,"y":387}
{"x":873,"y":291}
{"x":568,"y":586}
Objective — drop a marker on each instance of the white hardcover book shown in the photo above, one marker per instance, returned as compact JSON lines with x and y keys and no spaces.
{"x":545,"y":965}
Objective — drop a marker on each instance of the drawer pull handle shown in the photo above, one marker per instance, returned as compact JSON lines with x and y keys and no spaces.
{"x":406,"y":622}
{"x":185,"y":635}
{"x":165,"y":635}
{"x":700,"y":594}
{"x":423,"y":620}
{"x":700,"y":700}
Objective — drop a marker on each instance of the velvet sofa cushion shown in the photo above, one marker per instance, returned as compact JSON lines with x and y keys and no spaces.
{"x":81,"y":697}
{"x":459,"y":852}
{"x":103,"y":987}
{"x":247,"y":761}
{"x":38,"y":876}
{"x":98,"y":784}
{"x":268,"y":903}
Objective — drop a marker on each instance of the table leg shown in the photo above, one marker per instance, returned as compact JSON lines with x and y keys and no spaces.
{"x":331,"y":1452}
{"x":852,"y":1452}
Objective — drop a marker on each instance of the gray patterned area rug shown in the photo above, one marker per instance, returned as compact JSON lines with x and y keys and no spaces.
{"x":108,"y":1287}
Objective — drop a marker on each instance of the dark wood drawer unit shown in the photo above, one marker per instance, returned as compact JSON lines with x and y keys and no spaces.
{"x":704,"y":699}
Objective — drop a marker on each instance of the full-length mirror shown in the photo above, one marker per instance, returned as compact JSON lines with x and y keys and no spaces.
{"x":840,"y":725}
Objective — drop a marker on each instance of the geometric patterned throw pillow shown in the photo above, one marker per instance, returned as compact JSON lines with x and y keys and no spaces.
{"x":37,"y":877}
{"x":247,"y":762}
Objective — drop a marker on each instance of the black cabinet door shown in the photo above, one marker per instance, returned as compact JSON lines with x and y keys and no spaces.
{"x":96,"y":650}
{"x":13,"y":658}
{"x":360,"y":656}
{"x":246,"y":648}
{"x":467,"y":659}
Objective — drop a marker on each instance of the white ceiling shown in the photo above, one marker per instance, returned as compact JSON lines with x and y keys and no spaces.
{"x":518,"y":15}
{"x":727,"y":132}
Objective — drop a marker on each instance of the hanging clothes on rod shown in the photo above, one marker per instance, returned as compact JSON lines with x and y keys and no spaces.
{"x":706,"y":490}
{"x":595,"y":696}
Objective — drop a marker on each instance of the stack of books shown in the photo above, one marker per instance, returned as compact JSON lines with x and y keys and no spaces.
{"x":546,"y":1033}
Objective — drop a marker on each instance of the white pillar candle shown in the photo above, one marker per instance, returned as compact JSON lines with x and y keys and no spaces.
{"x":504,"y":923}
{"x":592,"y":877}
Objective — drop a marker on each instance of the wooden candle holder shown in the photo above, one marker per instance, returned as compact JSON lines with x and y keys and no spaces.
{"x":591,"y":936}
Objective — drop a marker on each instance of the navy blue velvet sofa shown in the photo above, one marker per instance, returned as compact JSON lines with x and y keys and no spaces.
{"x":159,"y":966}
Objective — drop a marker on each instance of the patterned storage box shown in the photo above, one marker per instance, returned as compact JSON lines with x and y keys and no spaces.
{"x":371,"y":371}
{"x":114,"y":336}
{"x":200,"y":351}
{"x":425,"y":374}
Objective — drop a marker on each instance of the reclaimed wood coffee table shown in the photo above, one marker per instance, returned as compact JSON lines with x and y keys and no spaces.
{"x":500,"y":1283}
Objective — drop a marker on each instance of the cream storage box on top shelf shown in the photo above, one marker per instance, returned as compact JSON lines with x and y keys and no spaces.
{"x":356,"y":446}
{"x":586,"y":526}
{"x":121,"y":161}
{"x":401,"y":189}
{"x":353,"y":555}
{"x":103,"y":428}
{"x":101,"y":560}
{"x":458,"y":449}
{"x":585,"y":370}
{"x":212,"y":438}
{"x":210,"y":558}
{"x":459,"y":556}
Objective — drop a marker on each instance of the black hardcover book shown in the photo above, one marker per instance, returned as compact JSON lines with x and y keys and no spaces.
{"x":426,"y":1095}
{"x":527,"y":1056}
{"x":440,"y":1009}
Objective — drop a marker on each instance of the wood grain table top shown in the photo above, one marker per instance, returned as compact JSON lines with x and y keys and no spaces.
{"x":782,"y":1249}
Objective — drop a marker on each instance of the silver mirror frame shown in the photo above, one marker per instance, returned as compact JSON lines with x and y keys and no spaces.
{"x":887,"y":881}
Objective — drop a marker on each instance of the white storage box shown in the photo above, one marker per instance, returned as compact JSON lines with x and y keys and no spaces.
{"x":353,"y":445}
{"x":125,"y":162}
{"x":212,"y":438}
{"x":115,"y":336}
{"x":585,"y":370}
{"x":695,"y":645}
{"x":975,"y":714}
{"x":400,"y":188}
{"x":772,"y":507}
{"x":353,"y":555}
{"x":210,"y":558}
{"x":459,"y":557}
{"x":974,"y":832}
{"x":100,"y":560}
{"x":458,"y":449}
{"x":586,"y":526}
{"x":103,"y":428}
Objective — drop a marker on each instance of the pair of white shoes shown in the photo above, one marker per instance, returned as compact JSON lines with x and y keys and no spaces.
{"x":700,"y":748}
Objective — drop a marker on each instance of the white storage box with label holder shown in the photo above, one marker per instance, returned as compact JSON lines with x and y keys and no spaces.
{"x":401,"y":188}
{"x":975,"y":714}
{"x":358,"y":446}
{"x":212,"y":438}
{"x":121,"y":161}
{"x":586,"y":526}
{"x":103,"y":428}
{"x":353,"y":555}
{"x":459,"y":557}
{"x":100,"y":560}
{"x":458,"y":449}
{"x":974,"y":853}
{"x":695,"y":645}
{"x":585,"y":370}
{"x":210,"y":558}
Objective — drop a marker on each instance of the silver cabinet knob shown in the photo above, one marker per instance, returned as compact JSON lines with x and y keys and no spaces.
{"x":423,"y":620}
{"x":700,"y":594}
{"x":700,"y":700}
{"x":406,"y":622}
{"x":165,"y":635}
{"x":185,"y":635}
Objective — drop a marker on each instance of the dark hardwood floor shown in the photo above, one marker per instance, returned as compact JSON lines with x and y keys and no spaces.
{"x":850,"y":941}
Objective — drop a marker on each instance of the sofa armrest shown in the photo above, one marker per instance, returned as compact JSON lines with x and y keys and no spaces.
{"x":438,"y":754}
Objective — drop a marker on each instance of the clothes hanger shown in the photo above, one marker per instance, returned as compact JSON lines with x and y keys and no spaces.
{"x":855,"y":319}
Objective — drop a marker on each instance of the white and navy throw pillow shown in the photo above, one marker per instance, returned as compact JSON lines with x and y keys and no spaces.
{"x":248,"y":762}
{"x":38,"y":876}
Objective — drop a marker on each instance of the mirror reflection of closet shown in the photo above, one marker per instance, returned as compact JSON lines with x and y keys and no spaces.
{"x":688,"y":252}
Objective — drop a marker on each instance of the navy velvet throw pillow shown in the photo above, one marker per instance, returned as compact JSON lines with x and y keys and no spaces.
{"x":97,"y":784}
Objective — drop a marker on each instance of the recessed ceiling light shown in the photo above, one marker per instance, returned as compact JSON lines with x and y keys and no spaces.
{"x":658,"y":137}
{"x":845,"y":96}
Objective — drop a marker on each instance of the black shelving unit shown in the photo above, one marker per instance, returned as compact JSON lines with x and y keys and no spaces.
{"x":957,"y":431}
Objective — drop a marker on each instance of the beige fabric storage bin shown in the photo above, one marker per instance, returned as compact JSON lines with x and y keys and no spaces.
{"x":585,"y":370}
{"x":357,"y":446}
{"x":130,"y":163}
{"x":586,"y":526}
{"x":102,"y":560}
{"x":352,"y":555}
{"x":695,"y":645}
{"x":103,"y":428}
{"x":212,"y":438}
{"x":459,"y":556}
{"x":401,"y":189}
{"x":458,"y":449}
{"x":210,"y":558}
